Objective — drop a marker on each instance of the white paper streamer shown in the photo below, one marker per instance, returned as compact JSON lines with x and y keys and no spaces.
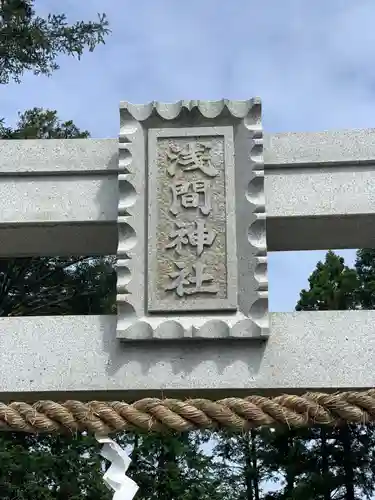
{"x":115,"y":477}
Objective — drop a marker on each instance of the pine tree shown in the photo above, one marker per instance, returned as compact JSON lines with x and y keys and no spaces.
{"x":345,"y":460}
{"x":29,"y":42}
{"x":38,"y":123}
{"x":333,"y":286}
{"x":365,"y":267}
{"x":285,"y":459}
{"x":69,"y":467}
{"x":54,"y":285}
{"x":240,"y":464}
{"x":52,"y":467}
{"x":173,"y":466}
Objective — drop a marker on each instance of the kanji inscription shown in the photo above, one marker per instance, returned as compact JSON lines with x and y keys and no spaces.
{"x":195,"y":234}
{"x":188,"y":236}
{"x":191,"y":156}
{"x":191,"y":195}
{"x":184,"y":277}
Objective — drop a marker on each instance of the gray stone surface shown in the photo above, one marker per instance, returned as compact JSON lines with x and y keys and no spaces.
{"x":79,"y":356}
{"x":320,"y":208}
{"x":58,"y":197}
{"x":319,"y":189}
{"x":335,"y":147}
{"x":235,"y":262}
{"x":292,"y":148}
{"x":196,"y":109}
{"x":201,"y":233}
{"x":329,"y":176}
{"x":25,"y":240}
{"x":58,"y":156}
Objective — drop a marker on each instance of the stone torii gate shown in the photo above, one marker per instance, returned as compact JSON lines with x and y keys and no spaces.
{"x":189,"y":198}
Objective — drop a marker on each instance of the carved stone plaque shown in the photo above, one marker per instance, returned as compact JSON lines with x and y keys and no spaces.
{"x":192,"y":252}
{"x":191,"y":229}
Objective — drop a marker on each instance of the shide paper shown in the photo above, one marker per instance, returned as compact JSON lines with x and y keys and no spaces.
{"x":115,"y":477}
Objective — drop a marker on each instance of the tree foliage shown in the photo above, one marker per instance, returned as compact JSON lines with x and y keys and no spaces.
{"x":299,"y":464}
{"x":38,"y":123}
{"x":344,"y":457}
{"x":52,"y":467}
{"x":29,"y":42}
{"x":54,"y":285}
{"x":333,"y":286}
{"x":49,"y":467}
{"x":173,"y":466}
{"x":365,"y":268}
{"x":39,"y":286}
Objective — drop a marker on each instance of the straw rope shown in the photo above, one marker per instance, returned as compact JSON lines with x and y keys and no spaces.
{"x":161,"y":415}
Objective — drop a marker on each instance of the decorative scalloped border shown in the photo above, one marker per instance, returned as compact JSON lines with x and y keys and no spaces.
{"x":175,"y":327}
{"x":132,"y":326}
{"x":257,"y":233}
{"x":127,"y":236}
{"x":208,"y":109}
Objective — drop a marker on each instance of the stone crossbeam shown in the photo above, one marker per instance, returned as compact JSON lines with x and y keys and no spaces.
{"x":59,"y":197}
{"x":63,"y":357}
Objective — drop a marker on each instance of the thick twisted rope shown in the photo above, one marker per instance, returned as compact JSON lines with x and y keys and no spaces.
{"x":171,"y":414}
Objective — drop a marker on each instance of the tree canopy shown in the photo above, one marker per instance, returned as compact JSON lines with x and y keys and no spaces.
{"x":54,"y":285}
{"x":280,"y":463}
{"x":29,"y":42}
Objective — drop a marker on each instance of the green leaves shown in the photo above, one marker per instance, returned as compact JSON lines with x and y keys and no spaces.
{"x":365,"y":267}
{"x":51,"y":468}
{"x":54,"y":285}
{"x":38,"y":123}
{"x":340,"y":461}
{"x":31,"y":43}
{"x":333,"y":286}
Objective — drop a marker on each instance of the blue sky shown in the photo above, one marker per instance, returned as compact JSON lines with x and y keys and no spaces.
{"x":312,"y":63}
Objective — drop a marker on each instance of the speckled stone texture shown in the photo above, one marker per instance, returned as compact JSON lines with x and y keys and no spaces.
{"x":333,"y":171}
{"x":61,"y":198}
{"x":58,"y":197}
{"x":176,"y":236}
{"x":60,"y":357}
{"x":355,"y":146}
{"x":215,"y":287}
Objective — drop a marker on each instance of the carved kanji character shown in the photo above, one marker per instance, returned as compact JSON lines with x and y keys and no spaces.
{"x":201,"y":236}
{"x":200,"y":279}
{"x":190,"y":194}
{"x":196,"y":233}
{"x":179,"y":279}
{"x":192,"y":156}
{"x":183,"y":278}
{"x":179,"y":237}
